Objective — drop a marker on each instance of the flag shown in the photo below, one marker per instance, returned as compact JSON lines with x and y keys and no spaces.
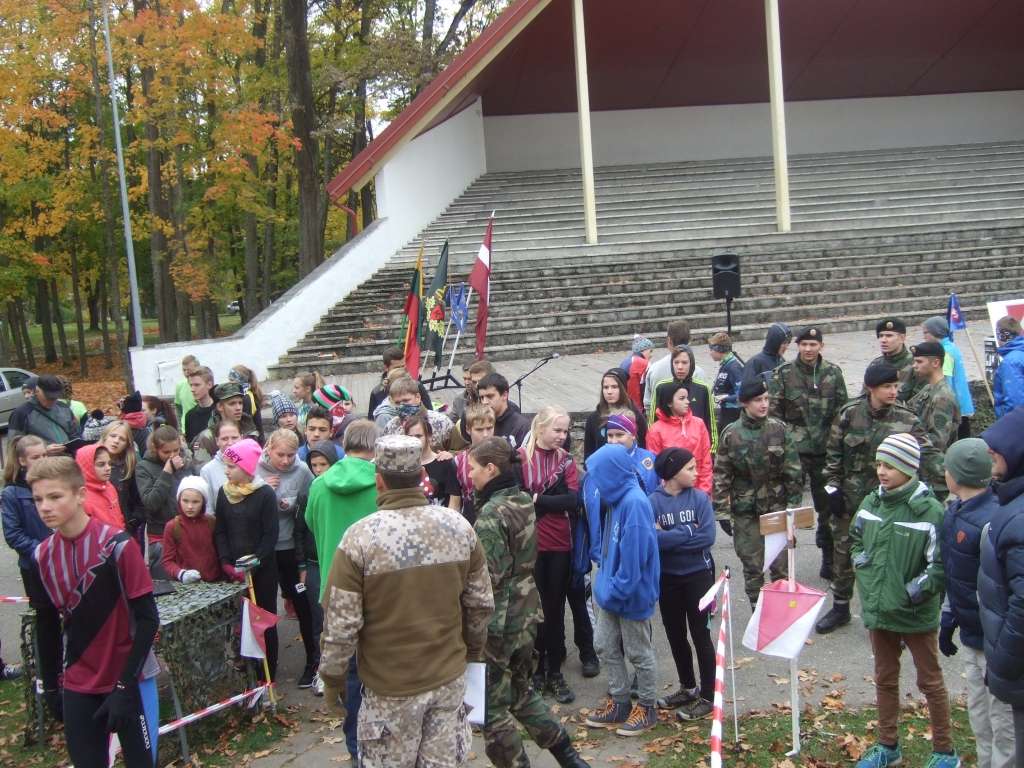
{"x":432,"y":315}
{"x":783,"y":620}
{"x":413,"y":302}
{"x":774,"y":543}
{"x":954,"y":316}
{"x":458,"y":303}
{"x":255,"y":623}
{"x":480,"y":281}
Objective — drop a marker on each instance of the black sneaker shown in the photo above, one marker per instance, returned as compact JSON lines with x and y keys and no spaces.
{"x":609,"y":714}
{"x":591,"y":666}
{"x":560,"y":689}
{"x":679,"y":698}
{"x":695,"y":710}
{"x":10,"y":671}
{"x":839,"y":616}
{"x":306,"y":678}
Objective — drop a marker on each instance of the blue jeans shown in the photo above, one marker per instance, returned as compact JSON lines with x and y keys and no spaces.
{"x":353,"y":700}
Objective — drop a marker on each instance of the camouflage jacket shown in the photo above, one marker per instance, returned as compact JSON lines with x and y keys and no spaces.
{"x":856,"y":434}
{"x":505,"y":525}
{"x":409,"y":592}
{"x":937,"y":408}
{"x":757,"y":469}
{"x":904,"y":362}
{"x":808,"y":398}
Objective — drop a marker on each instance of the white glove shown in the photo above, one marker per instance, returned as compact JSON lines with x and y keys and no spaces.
{"x":830,"y":489}
{"x":189,"y":577}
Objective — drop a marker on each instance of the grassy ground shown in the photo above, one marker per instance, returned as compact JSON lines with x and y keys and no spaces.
{"x":233,"y":738}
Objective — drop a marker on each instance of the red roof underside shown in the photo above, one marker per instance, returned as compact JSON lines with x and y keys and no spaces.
{"x":674,"y":53}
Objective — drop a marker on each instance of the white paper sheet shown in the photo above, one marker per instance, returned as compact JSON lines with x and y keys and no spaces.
{"x":476,"y":683}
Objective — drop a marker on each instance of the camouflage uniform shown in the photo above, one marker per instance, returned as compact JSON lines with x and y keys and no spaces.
{"x":808,"y":398}
{"x":409,"y":592}
{"x":757,"y":471}
{"x":937,"y":408}
{"x":505,"y":527}
{"x":903,"y":361}
{"x":850,"y":467}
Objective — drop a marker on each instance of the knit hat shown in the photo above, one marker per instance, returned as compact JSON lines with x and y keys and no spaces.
{"x":900,"y":451}
{"x":751,"y":389}
{"x":331,"y":396}
{"x":969,"y":463}
{"x":881,"y":373}
{"x":246,"y":454}
{"x":132,"y":403}
{"x":810,"y":333}
{"x":281,"y":405}
{"x":937,"y":326}
{"x":623,"y":423}
{"x":195,"y":483}
{"x":641,"y":344}
{"x":928,"y":349}
{"x":670,"y":461}
{"x":95,"y":422}
{"x":893,"y":324}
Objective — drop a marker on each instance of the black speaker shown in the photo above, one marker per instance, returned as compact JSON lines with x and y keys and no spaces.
{"x":725,"y":275}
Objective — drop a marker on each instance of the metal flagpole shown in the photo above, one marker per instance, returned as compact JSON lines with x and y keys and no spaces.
{"x":129,"y":246}
{"x":794,"y":664}
{"x":732,"y":657}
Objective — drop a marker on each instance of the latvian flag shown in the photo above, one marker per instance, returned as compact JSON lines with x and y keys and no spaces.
{"x":783,"y":620}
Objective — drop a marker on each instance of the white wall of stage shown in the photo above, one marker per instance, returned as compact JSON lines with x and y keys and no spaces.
{"x":638,"y":136}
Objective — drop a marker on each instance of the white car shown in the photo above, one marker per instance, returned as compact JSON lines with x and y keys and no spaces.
{"x":11,"y":395}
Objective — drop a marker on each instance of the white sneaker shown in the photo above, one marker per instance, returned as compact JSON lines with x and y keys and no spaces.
{"x":318,"y":685}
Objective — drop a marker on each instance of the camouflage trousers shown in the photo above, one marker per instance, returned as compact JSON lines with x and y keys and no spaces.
{"x":842,"y":568}
{"x":511,"y":697}
{"x":428,"y":730}
{"x":814,"y":471}
{"x":749,"y":545}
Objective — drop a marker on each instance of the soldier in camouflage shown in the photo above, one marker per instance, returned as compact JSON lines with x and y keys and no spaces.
{"x":858,"y":430}
{"x":757,"y":471}
{"x":892,"y":341}
{"x":505,"y":525}
{"x":807,"y":394}
{"x":409,"y":592}
{"x":935,"y":404}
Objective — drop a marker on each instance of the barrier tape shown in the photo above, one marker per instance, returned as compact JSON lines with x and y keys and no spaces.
{"x":12,"y":599}
{"x":717,"y":705}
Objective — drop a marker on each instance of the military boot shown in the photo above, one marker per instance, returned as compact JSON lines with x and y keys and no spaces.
{"x":837,"y":617}
{"x":565,"y":753}
{"x":826,"y":564}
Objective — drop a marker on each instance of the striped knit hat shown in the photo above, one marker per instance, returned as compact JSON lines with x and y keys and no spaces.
{"x":900,"y":451}
{"x":331,"y":396}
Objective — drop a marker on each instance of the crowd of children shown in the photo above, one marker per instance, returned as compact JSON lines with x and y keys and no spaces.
{"x":182,"y":494}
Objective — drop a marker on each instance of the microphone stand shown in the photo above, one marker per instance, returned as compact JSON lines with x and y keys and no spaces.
{"x":518,"y":383}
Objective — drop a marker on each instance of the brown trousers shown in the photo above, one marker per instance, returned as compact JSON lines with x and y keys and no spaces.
{"x":924,"y":649}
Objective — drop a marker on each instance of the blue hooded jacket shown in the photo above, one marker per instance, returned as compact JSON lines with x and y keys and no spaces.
{"x":957,"y":377}
{"x":1008,"y":383}
{"x":687,"y":530}
{"x":628,"y":582}
{"x":23,"y":528}
{"x":961,"y":558}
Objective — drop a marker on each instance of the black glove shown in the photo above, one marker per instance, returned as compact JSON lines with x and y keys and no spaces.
{"x":54,"y":700}
{"x":946,"y":644}
{"x":121,"y":707}
{"x":836,"y":505}
{"x":726,"y":526}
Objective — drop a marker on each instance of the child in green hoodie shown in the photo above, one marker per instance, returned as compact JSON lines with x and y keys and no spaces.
{"x":895,"y":551}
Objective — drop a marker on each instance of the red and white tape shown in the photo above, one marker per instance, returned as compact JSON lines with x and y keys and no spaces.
{"x":717,"y":705}
{"x":12,"y":599}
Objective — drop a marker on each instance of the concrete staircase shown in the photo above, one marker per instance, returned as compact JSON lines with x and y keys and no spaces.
{"x":885,"y":232}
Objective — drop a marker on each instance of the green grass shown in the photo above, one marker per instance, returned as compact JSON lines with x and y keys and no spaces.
{"x":228,"y":323}
{"x":226,"y":739}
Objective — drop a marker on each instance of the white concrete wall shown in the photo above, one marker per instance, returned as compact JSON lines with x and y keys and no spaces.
{"x":531,"y":142}
{"x":413,"y":188}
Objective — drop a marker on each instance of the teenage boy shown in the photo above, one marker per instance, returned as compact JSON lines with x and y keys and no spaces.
{"x":509,"y":421}
{"x":479,"y":422}
{"x":891,"y":333}
{"x":897,"y":560}
{"x":197,"y":417}
{"x":471,"y":376}
{"x":677,"y":334}
{"x":319,"y":426}
{"x":405,"y":394}
{"x":937,"y":329}
{"x":935,"y":404}
{"x":762,"y":365}
{"x":625,"y":591}
{"x":229,"y":404}
{"x":184,"y":401}
{"x":95,"y":577}
{"x":972,"y":503}
{"x":727,"y":382}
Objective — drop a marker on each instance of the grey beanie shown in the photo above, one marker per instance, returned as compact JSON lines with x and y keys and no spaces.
{"x":937,"y":326}
{"x":968,"y":462}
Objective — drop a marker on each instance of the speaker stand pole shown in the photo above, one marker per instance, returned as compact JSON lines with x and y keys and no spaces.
{"x":728,"y":313}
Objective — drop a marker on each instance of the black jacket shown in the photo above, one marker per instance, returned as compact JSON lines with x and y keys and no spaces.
{"x":594,"y":431}
{"x":768,"y":359}
{"x":513,"y":426}
{"x":961,"y":558}
{"x":248,"y":527}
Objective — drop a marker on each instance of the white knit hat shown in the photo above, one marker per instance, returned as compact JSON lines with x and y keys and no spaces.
{"x":900,"y":451}
{"x":195,"y":483}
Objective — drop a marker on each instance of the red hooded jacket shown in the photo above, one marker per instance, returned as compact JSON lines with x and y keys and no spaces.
{"x":689,"y":433}
{"x":101,"y":501}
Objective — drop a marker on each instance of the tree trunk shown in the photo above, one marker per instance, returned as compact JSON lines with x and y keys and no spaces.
{"x":45,"y":322}
{"x":300,"y":93}
{"x":30,"y":354}
{"x":16,"y":341}
{"x":93,"y":298}
{"x":62,"y":337}
{"x":83,"y":362}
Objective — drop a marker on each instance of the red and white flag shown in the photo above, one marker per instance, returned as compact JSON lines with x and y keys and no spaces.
{"x":480,"y":281}
{"x":783,"y":620}
{"x":255,"y":623}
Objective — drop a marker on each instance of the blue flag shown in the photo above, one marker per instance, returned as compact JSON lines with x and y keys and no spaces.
{"x":954,"y":316}
{"x":458,"y":305}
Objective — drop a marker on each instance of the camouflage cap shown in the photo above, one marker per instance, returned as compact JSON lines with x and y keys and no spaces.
{"x":398,"y":453}
{"x":226,"y":391}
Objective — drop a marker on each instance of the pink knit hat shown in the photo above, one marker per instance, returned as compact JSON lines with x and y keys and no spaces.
{"x":246,"y":454}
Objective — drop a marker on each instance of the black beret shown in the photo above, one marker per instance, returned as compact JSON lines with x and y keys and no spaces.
{"x":751,"y":389}
{"x":881,"y":373}
{"x":928,"y":349}
{"x":670,"y":461}
{"x":810,"y":333}
{"x":893,"y":324}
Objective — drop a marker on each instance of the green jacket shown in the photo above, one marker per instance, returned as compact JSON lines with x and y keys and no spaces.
{"x":808,"y":398}
{"x":757,"y":469}
{"x":505,"y":526}
{"x":896,"y":553}
{"x":855,"y":436}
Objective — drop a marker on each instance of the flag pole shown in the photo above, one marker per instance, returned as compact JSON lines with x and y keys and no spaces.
{"x":981,"y":367}
{"x":458,"y":332}
{"x":732,"y":657}
{"x":794,"y":664}
{"x":266,"y":666}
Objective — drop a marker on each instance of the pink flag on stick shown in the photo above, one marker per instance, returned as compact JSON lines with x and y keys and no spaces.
{"x":480,"y":281}
{"x":783,"y":620}
{"x":255,"y":623}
